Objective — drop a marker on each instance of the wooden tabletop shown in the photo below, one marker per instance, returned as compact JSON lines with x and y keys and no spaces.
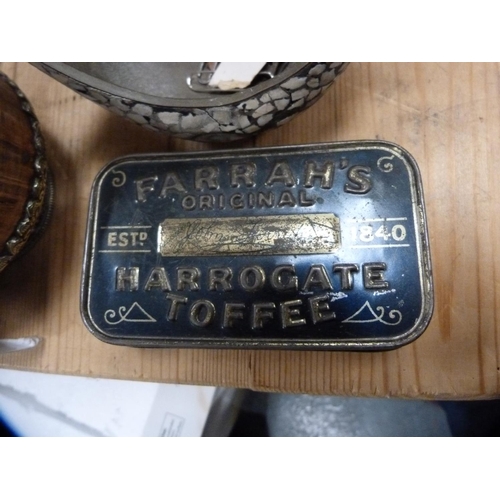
{"x":446,"y":115}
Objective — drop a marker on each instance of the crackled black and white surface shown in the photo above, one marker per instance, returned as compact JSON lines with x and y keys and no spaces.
{"x":265,"y":109}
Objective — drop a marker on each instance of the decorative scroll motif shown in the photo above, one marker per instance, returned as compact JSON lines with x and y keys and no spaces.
{"x":387,"y":166}
{"x":374,"y":316}
{"x":139,"y":315}
{"x":269,"y":108}
{"x":120,"y":178}
{"x":40,"y":189}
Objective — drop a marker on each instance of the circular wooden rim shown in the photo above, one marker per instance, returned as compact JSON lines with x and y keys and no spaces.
{"x":36,"y":204}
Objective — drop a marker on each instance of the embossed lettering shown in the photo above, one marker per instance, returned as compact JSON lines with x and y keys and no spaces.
{"x":243,"y":173}
{"x":290,"y":314}
{"x":317,"y":277}
{"x":219,"y":278}
{"x":144,"y":186}
{"x":172,"y":182}
{"x":175,"y":302}
{"x":158,"y":279}
{"x":284,"y":279}
{"x":252,"y":278}
{"x":265,"y":199}
{"x":319,"y":308}
{"x":232,"y":311}
{"x":127,"y":278}
{"x":251,"y":200}
{"x":281,"y":173}
{"x":346,"y":270}
{"x":373,"y":276}
{"x":188,"y":277}
{"x":286,"y":199}
{"x":201,"y":313}
{"x":324,"y":174}
{"x":206,"y":201}
{"x":261,"y":313}
{"x":188,"y":202}
{"x":360,"y":180}
{"x":237,"y":201}
{"x":304,"y":200}
{"x":206,"y":176}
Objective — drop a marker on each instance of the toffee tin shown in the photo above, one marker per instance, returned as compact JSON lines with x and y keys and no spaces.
{"x":320,"y":246}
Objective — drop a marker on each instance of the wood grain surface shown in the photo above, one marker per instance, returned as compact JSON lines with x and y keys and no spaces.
{"x":446,"y":115}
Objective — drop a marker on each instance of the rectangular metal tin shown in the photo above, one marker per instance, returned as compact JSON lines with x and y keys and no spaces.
{"x":309,"y":247}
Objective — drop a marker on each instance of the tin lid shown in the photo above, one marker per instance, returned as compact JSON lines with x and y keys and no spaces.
{"x":307,"y":247}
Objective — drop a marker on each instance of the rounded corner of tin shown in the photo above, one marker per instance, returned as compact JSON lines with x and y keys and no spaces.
{"x":418,"y":330}
{"x":108,"y":168}
{"x":403,"y":153}
{"x":94,"y":329}
{"x":87,"y":321}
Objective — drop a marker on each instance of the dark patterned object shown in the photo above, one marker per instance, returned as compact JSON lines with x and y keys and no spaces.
{"x":25,"y":190}
{"x":261,"y":107}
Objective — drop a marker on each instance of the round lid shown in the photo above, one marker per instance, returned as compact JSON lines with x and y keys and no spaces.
{"x":23,"y":171}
